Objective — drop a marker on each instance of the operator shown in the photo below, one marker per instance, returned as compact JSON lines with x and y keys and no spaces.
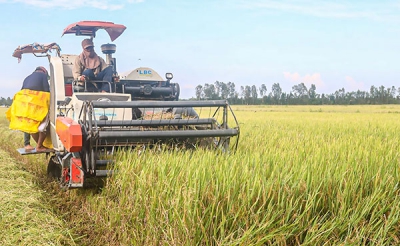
{"x":89,"y":66}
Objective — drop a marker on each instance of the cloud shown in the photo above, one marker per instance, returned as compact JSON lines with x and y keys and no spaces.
{"x":308,"y":79}
{"x":75,"y":4}
{"x":328,"y":9}
{"x":353,"y":85}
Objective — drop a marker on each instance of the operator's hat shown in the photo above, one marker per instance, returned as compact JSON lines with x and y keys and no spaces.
{"x":87,"y":43}
{"x":40,"y":68}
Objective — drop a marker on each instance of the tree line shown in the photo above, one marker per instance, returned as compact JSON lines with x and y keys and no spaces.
{"x":5,"y":101}
{"x":299,"y":95}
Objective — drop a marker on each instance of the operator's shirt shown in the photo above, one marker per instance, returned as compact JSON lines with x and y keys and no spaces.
{"x":79,"y":67}
{"x":37,"y":81}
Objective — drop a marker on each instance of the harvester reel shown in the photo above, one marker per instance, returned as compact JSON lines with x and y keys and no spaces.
{"x":88,"y":135}
{"x":88,"y":151}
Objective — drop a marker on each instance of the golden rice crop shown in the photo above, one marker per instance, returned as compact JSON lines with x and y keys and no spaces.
{"x":308,"y":175}
{"x":302,"y":176}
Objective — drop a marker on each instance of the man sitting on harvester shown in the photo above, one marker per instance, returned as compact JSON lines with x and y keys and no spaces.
{"x":89,"y":66}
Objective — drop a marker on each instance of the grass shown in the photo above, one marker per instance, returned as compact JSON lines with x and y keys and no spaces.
{"x":302,"y":175}
{"x":25,"y":216}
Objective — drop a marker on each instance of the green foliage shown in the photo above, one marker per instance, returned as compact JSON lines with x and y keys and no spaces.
{"x":5,"y":102}
{"x":299,"y":95}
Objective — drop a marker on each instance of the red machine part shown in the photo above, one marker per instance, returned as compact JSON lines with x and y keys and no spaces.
{"x":70,"y":133}
{"x":76,"y":172}
{"x":65,"y":175}
{"x":89,"y":28}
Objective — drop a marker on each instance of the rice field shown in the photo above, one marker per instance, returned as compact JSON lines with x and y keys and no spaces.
{"x":302,"y":175}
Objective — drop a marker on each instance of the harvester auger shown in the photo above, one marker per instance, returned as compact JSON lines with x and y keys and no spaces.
{"x":142,"y":110}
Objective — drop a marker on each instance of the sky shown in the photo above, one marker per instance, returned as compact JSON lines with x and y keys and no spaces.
{"x":332,"y":44}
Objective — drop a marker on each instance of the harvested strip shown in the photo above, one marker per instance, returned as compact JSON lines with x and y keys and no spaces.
{"x":24,"y":218}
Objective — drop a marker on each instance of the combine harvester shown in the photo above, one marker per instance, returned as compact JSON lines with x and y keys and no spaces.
{"x":141,"y":110}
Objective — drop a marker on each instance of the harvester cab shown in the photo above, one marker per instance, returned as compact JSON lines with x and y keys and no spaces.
{"x":141,"y":110}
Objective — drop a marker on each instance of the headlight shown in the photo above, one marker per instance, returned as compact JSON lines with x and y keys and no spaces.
{"x":169,"y":75}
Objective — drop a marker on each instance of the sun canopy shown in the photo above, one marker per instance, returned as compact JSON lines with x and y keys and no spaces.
{"x":89,"y":28}
{"x":36,"y":49}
